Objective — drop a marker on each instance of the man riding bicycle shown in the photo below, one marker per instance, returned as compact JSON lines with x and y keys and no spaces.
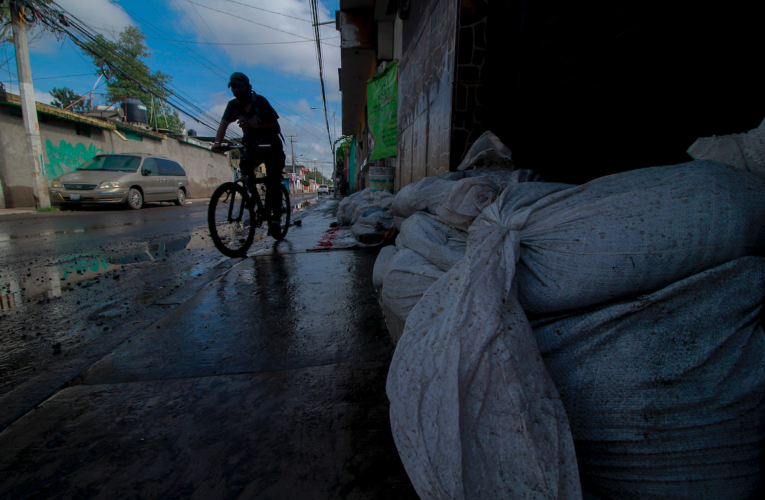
{"x":260,"y":126}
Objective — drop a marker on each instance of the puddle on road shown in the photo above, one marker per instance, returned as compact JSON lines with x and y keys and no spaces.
{"x":82,"y":271}
{"x":300,"y":206}
{"x":9,"y":237}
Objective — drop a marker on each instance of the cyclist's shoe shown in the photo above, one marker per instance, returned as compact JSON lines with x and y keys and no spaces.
{"x":273,"y":229}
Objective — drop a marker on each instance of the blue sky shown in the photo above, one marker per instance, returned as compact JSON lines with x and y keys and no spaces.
{"x":251,"y":41}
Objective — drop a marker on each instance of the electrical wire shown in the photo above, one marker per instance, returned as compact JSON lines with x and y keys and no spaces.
{"x":317,"y":34}
{"x":251,"y":21}
{"x":270,"y":11}
{"x":82,"y":35}
{"x":200,"y":32}
{"x":157,"y":30}
{"x":237,"y":44}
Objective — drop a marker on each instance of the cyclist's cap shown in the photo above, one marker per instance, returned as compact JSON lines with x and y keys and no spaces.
{"x":238,"y":79}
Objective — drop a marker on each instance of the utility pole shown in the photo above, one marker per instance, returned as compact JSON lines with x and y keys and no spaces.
{"x":292,"y":151}
{"x":292,"y":155}
{"x":29,"y":110}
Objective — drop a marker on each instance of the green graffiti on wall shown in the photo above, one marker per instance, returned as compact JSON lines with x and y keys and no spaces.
{"x":66,"y":157}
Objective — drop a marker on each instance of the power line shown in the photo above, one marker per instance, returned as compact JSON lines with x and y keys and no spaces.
{"x":270,"y":11}
{"x":157,"y":30}
{"x":251,"y":21}
{"x":315,"y":14}
{"x":177,"y":93}
{"x":213,"y":34}
{"x":235,"y":44}
{"x":76,"y":28}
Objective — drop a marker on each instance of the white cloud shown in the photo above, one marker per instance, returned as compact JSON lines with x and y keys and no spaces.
{"x":100,"y":14}
{"x":302,"y":106}
{"x":231,"y":25}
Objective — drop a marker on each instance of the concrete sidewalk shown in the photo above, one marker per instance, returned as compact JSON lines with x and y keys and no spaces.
{"x":267,"y":383}
{"x":11,"y":211}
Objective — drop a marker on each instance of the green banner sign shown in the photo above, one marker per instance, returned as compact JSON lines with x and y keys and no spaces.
{"x":382,"y":106}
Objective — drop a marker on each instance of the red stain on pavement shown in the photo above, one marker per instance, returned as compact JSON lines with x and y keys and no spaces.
{"x":328,"y":238}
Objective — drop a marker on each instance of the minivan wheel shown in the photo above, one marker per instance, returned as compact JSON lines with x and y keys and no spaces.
{"x":181,"y":198}
{"x":135,"y":199}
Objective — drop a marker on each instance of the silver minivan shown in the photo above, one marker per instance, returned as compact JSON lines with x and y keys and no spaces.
{"x":132,"y":178}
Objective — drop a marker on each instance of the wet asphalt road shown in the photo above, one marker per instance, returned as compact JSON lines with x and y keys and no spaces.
{"x":74,"y":285}
{"x":176,"y":372}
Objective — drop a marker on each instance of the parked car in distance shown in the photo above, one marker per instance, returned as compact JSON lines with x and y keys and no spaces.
{"x":131,"y":178}
{"x":323,"y":189}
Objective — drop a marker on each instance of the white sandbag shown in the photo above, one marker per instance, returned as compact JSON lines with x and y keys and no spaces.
{"x":382,"y":265}
{"x":344,"y":212}
{"x":379,"y":196}
{"x":631,"y":233}
{"x":361,"y":207}
{"x":487,"y":151}
{"x":502,"y":177}
{"x":386,"y":202}
{"x":744,"y":151}
{"x":398,"y":221}
{"x":665,"y":394}
{"x":428,"y":236}
{"x":409,"y":277}
{"x":368,"y":194}
{"x":466,"y":200}
{"x":423,"y":195}
{"x":372,"y":226}
{"x":474,"y":412}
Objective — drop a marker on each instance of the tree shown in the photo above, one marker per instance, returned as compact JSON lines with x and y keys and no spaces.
{"x":65,"y":96}
{"x":6,"y":33}
{"x":132,"y":77}
{"x":342,"y":151}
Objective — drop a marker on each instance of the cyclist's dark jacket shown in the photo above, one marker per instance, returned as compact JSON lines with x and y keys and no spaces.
{"x":261,"y":113}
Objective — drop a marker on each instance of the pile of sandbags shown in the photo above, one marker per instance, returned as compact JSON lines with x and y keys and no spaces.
{"x":643,"y":368}
{"x":367,"y":213}
{"x":433,"y":218}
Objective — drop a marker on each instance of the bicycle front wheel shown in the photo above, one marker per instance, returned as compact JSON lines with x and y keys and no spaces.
{"x":285,"y":211}
{"x":231,"y":221}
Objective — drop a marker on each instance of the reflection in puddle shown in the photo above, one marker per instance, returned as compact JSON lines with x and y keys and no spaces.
{"x":82,"y":270}
{"x":300,"y":206}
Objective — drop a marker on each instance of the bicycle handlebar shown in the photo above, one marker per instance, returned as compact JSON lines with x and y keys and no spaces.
{"x":228,"y":146}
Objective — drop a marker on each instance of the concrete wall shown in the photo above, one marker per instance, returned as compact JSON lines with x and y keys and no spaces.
{"x":66,"y":145}
{"x":425,"y":89}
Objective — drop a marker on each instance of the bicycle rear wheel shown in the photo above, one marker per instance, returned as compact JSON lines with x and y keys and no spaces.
{"x":285,"y":211}
{"x":231,"y":222}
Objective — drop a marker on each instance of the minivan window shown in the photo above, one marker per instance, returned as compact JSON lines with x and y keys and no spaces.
{"x":115,"y":163}
{"x":169,"y":167}
{"x":178,"y":169}
{"x":148,"y":164}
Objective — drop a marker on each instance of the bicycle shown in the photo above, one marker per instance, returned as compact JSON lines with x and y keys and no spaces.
{"x":235,"y":213}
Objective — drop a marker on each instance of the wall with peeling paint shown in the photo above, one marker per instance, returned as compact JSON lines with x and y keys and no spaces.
{"x":68,"y":145}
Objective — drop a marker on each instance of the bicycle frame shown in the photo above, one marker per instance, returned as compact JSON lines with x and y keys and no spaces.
{"x":260,"y":212}
{"x":255,"y":196}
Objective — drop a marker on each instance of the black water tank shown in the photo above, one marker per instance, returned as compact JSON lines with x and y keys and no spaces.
{"x":192,"y":133}
{"x":135,"y":111}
